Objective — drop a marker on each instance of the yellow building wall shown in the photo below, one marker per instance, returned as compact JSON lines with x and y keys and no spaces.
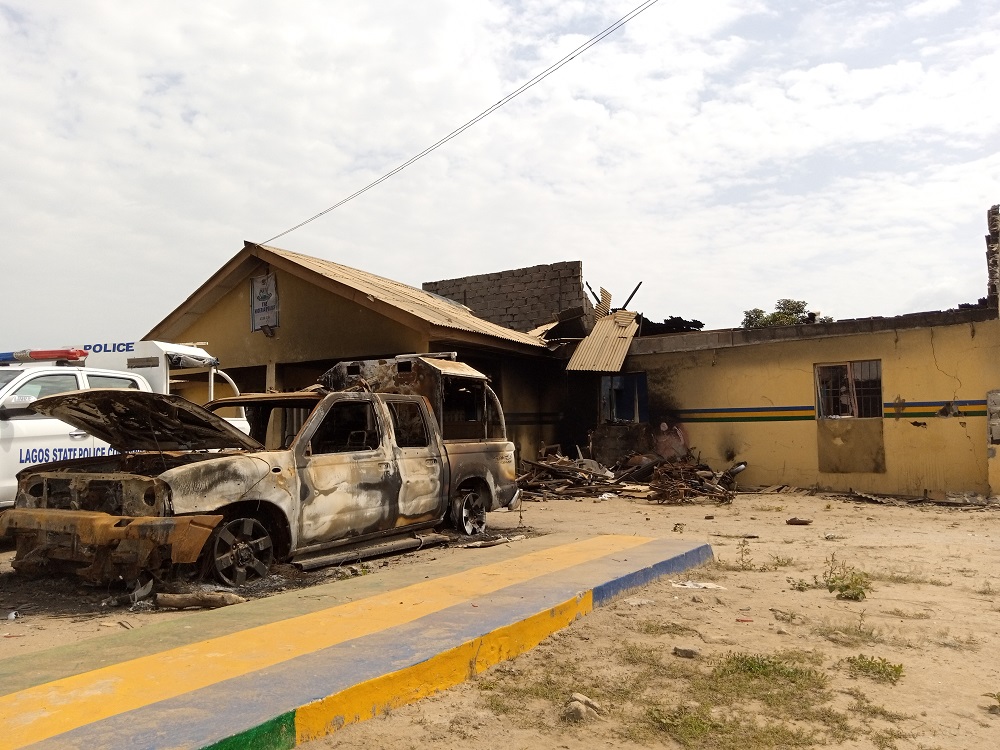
{"x":314,"y":325}
{"x":757,"y":403}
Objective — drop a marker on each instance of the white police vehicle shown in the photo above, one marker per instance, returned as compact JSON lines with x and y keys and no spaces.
{"x":27,"y":438}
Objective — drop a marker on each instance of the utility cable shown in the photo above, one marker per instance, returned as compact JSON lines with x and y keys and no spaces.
{"x":485,"y":113}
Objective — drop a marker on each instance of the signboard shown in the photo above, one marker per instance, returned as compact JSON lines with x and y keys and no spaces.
{"x":263,"y":302}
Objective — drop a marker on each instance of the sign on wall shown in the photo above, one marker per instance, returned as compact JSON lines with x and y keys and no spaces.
{"x":263,"y":302}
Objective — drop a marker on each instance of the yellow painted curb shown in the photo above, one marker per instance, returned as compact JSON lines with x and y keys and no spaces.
{"x":375,"y":697}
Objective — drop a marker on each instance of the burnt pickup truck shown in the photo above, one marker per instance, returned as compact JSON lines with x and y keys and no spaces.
{"x":323,"y":473}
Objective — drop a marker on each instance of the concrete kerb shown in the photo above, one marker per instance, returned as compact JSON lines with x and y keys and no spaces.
{"x":319,"y":691}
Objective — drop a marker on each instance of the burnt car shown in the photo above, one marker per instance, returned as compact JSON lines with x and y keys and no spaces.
{"x":321,"y":473}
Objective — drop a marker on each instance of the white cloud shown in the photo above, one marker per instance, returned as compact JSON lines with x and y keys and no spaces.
{"x":926,"y":8}
{"x":725,"y":153}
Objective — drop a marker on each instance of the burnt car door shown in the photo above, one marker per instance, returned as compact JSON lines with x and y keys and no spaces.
{"x":420,"y":457}
{"x":349,"y":485}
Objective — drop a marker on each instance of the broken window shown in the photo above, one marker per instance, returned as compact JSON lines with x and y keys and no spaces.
{"x":624,"y":398}
{"x":408,"y":424}
{"x":463,"y":409}
{"x":849,"y":389}
{"x":348,"y":426}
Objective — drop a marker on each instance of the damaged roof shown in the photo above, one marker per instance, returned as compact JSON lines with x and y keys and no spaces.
{"x":362,"y":287}
{"x":605,"y":347}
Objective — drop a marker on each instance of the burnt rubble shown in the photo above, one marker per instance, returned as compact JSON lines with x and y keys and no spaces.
{"x":643,"y":476}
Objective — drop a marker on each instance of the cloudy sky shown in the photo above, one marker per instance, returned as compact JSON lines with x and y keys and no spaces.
{"x":726,"y":153}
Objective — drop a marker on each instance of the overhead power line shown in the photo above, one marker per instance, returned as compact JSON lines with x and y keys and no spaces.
{"x":485,"y":113}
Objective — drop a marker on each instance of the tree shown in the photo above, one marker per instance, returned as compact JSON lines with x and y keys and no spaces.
{"x":787,"y":312}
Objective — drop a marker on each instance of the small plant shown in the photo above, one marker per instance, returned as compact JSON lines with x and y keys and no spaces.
{"x":850,"y":635}
{"x":799,"y":584}
{"x":862,"y":706}
{"x":743,"y":558}
{"x":878,"y":669}
{"x":780,"y":562}
{"x":849,"y":582}
{"x":885,"y":739}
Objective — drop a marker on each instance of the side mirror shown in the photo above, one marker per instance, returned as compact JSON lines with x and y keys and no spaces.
{"x":16,"y":406}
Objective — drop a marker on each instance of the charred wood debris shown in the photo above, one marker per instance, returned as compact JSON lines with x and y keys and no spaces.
{"x":685,"y":480}
{"x":641,"y":476}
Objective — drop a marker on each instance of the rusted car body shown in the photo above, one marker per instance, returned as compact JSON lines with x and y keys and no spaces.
{"x":321,"y":470}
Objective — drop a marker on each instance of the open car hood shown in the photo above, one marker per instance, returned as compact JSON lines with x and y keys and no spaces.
{"x":129,"y":420}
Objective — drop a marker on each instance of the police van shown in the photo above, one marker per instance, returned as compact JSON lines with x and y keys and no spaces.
{"x":27,"y":438}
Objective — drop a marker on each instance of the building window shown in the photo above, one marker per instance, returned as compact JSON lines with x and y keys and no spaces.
{"x":623,"y":398}
{"x":850,"y":389}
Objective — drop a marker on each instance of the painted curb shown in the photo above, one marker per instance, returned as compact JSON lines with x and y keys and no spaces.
{"x":277,"y":685}
{"x":376,"y":697}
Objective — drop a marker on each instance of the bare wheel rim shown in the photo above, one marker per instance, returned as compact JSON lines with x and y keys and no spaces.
{"x":473,"y":515}
{"x":242,"y":552}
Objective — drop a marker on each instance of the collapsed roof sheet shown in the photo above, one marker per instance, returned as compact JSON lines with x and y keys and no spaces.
{"x":605,"y":348}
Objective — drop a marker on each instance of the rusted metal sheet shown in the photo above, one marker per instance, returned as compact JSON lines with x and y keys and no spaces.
{"x":418,"y":376}
{"x":404,"y":375}
{"x":605,"y":348}
{"x":103,"y":545}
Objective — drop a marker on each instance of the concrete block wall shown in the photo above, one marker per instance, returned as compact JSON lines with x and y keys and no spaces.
{"x":993,"y":255}
{"x":522,"y":298}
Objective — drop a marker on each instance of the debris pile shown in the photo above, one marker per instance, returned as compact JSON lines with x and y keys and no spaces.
{"x":561,"y":477}
{"x":650,"y":477}
{"x":684,"y":481}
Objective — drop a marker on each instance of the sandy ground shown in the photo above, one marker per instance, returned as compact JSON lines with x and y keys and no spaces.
{"x":933,"y":609}
{"x":931,"y":621}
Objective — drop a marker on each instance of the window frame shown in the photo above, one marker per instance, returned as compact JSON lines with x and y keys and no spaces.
{"x":399,"y":432}
{"x":635,"y":395}
{"x":333,"y":445}
{"x":133,"y":382}
{"x":857,"y":372}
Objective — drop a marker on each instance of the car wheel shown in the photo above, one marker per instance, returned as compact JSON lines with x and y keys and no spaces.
{"x":470,"y":513}
{"x":242,"y":550}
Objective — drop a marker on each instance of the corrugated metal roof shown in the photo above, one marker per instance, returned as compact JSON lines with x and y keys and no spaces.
{"x":434,"y":309}
{"x":605,"y":347}
{"x":543,"y":329}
